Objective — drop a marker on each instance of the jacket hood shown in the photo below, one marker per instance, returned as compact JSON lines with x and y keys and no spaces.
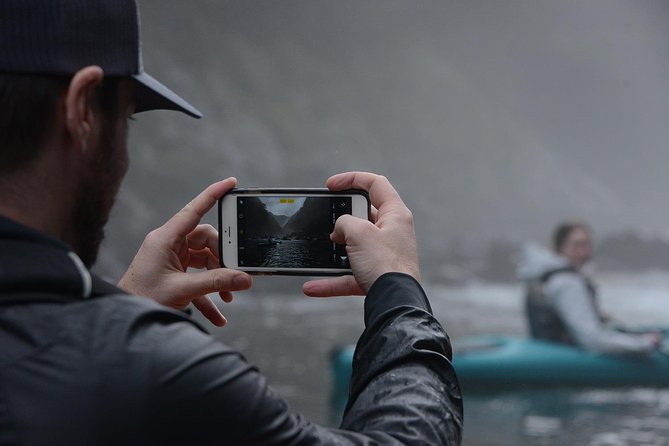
{"x":535,"y":260}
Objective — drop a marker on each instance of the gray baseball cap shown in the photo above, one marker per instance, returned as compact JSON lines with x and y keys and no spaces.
{"x":59,"y":37}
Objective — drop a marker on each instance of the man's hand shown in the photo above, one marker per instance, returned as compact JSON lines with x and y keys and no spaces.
{"x":386,"y":244}
{"x":159,"y":269}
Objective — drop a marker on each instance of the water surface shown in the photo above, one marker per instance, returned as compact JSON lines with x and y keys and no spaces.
{"x":290,"y":337}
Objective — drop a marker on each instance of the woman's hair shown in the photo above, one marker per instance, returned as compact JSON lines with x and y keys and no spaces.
{"x":563,"y":230}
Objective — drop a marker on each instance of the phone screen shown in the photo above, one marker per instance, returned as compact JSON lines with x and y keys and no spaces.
{"x":277,"y":231}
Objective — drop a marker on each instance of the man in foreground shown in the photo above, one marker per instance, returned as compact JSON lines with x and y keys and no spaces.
{"x":86,"y":363}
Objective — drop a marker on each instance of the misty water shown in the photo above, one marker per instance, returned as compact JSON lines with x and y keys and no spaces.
{"x":287,"y":254}
{"x":290,"y":338}
{"x":291,"y":254}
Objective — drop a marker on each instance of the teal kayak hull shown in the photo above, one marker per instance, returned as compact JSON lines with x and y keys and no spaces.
{"x":503,"y":363}
{"x":511,"y":362}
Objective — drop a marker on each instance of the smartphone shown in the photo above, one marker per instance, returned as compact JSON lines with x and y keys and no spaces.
{"x":286,"y":231}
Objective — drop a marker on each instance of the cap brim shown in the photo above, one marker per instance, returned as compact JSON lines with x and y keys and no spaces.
{"x":152,"y":95}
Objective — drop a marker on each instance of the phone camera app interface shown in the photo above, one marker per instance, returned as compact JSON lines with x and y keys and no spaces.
{"x":290,"y":231}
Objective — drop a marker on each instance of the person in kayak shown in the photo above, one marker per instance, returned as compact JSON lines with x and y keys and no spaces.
{"x":561,"y":301}
{"x":85,"y":362}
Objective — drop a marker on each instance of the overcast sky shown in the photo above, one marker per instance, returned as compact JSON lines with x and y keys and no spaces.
{"x":282,"y":205}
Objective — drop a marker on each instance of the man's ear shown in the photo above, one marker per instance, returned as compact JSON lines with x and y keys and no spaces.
{"x":79,"y":115}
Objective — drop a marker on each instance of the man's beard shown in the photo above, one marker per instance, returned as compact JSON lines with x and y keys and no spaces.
{"x":95,"y":197}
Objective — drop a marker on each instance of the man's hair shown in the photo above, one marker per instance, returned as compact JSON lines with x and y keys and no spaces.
{"x":563,"y":230}
{"x":27,"y":110}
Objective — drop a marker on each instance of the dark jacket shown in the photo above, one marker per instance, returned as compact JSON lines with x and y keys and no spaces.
{"x":84,"y":364}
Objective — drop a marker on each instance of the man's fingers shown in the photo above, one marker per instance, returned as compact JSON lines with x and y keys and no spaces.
{"x":204,"y":236}
{"x":339,"y":230}
{"x":339,"y":286}
{"x":187,"y":219}
{"x":226,"y":296}
{"x":205,"y":259}
{"x":379,"y":188}
{"x":199,"y":259}
{"x":214,"y":281}
{"x":213,"y":262}
{"x":348,"y":224}
{"x":373,"y":214}
{"x":209,"y":310}
{"x":202,"y":259}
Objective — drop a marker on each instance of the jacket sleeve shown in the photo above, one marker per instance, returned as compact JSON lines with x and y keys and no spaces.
{"x":404,"y":389}
{"x":572,"y":301}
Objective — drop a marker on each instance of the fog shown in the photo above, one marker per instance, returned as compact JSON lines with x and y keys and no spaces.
{"x":493,"y":119}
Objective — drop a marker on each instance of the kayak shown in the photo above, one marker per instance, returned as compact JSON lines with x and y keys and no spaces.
{"x":501,"y":363}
